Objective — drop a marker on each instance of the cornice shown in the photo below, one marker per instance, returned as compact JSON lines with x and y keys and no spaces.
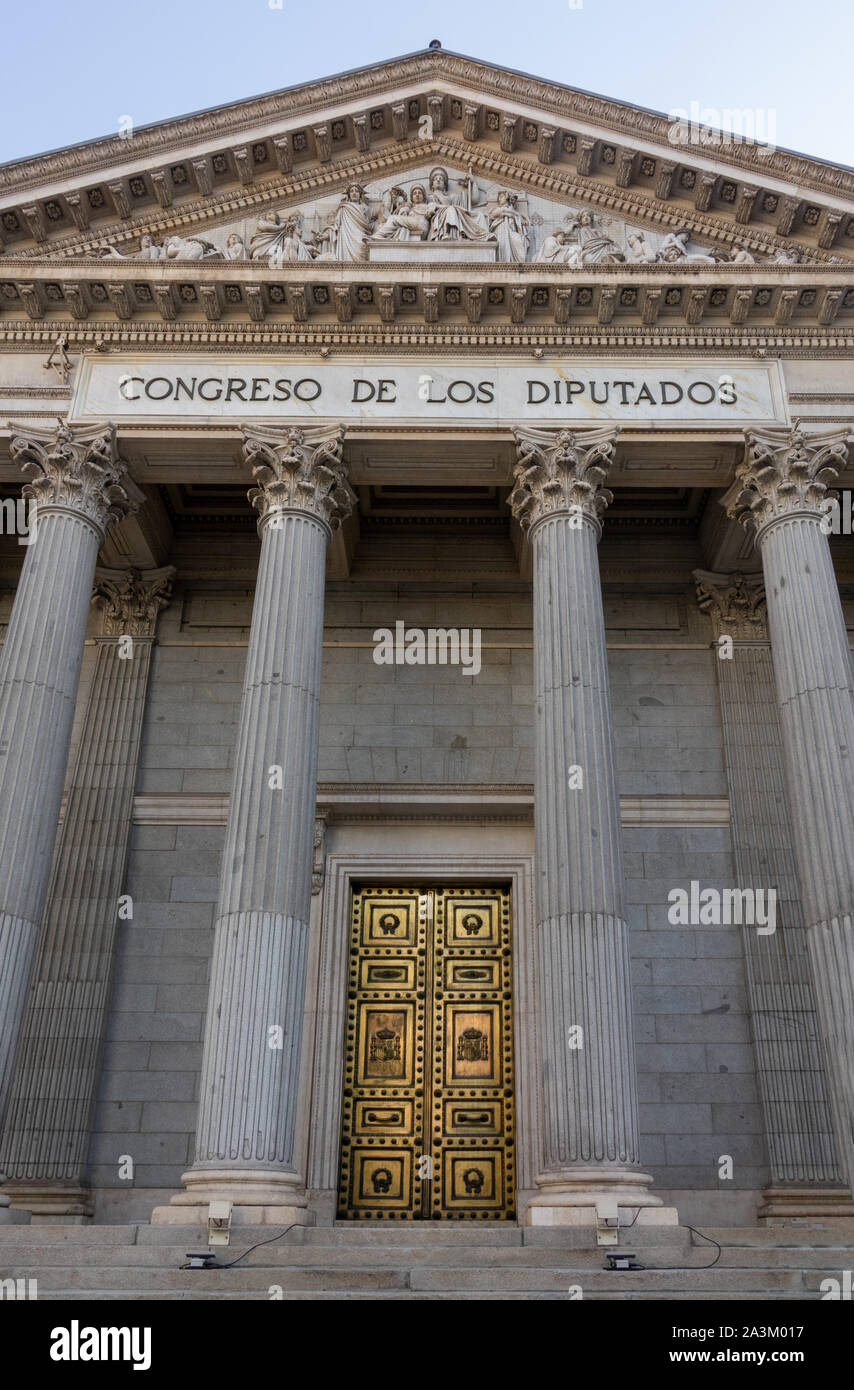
{"x":165,"y":137}
{"x":654,"y":126}
{"x":371,"y":83}
{"x":367,"y":302}
{"x":624,"y":340}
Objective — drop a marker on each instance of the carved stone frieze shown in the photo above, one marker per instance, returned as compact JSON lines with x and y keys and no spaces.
{"x":431,"y":209}
{"x":298,"y":470}
{"x":77,"y":469}
{"x":562,"y":471}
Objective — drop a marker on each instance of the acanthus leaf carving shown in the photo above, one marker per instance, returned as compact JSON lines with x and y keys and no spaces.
{"x":298,"y":470}
{"x":77,"y":469}
{"x":132,"y":599}
{"x":734,"y":602}
{"x":784,"y":471}
{"x":562,"y":471}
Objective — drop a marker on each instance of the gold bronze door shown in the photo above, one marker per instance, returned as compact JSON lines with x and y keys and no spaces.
{"x":428,"y":1073}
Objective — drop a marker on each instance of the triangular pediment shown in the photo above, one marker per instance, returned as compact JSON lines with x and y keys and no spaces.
{"x":557,"y":149}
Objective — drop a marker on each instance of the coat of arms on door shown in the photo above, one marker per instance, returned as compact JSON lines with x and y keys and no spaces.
{"x":473,"y":1046}
{"x":385,"y":1046}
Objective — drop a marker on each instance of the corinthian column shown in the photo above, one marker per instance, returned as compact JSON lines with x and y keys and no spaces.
{"x":79,"y":486}
{"x":48,"y":1123}
{"x":590,"y":1123}
{"x":250,"y":1069}
{"x":778,"y":493}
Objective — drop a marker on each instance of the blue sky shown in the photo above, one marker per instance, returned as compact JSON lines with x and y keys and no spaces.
{"x":73,"y":68}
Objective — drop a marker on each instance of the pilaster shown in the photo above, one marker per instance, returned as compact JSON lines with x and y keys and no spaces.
{"x":47,"y":1130}
{"x":80,"y":486}
{"x":804,"y":1177}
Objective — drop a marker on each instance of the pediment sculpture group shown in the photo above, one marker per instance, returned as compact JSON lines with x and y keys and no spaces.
{"x":437,"y":211}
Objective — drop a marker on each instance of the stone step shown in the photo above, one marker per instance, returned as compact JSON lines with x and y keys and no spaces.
{"x":412,"y":1234}
{"x":550,"y":1280}
{"x":467,"y":1234}
{"x":72,"y":1236}
{"x":424,"y":1262}
{"x":319,"y":1295}
{"x":367,"y":1233}
{"x":424,"y":1279}
{"x":790,"y":1235}
{"x":276,"y":1256}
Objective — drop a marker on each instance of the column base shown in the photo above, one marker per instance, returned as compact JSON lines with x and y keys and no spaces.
{"x":258,"y":1198}
{"x":9,"y":1215}
{"x":806,"y":1203}
{"x":580,"y":1196}
{"x":52,"y":1204}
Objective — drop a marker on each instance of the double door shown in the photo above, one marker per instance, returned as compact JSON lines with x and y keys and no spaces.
{"x":427,"y":1125}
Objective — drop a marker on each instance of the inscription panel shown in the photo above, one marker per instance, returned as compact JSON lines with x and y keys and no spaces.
{"x":149,"y":388}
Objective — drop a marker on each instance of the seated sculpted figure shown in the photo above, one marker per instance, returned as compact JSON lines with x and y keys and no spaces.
{"x":277,"y":239}
{"x":407,"y":219}
{"x":640,"y":251}
{"x":558,"y":250}
{"x":595,"y":247}
{"x":452,"y":220}
{"x":235,"y":250}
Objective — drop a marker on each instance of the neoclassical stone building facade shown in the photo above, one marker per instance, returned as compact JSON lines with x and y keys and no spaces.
{"x":426,"y":711}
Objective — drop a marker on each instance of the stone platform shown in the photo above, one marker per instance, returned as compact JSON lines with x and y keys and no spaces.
{"x":379,"y":1261}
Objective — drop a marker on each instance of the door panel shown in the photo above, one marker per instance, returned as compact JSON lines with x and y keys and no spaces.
{"x":428,"y":1078}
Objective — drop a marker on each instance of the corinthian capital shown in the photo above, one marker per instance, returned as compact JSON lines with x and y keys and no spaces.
{"x":77,"y":469}
{"x":783,"y":471}
{"x":298,"y":470}
{"x":562,"y":471}
{"x":734,"y":602}
{"x":131,"y":599}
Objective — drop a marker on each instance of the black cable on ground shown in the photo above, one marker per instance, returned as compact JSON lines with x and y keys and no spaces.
{"x":677,"y":1269}
{"x":278,"y":1236}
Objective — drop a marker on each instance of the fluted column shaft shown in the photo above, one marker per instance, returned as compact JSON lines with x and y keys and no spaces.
{"x":250,"y":1069}
{"x":590,"y":1101}
{"x":46,"y":1139}
{"x":590,"y":1140}
{"x":778,"y":492}
{"x":78,"y":486}
{"x":248,"y":1092}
